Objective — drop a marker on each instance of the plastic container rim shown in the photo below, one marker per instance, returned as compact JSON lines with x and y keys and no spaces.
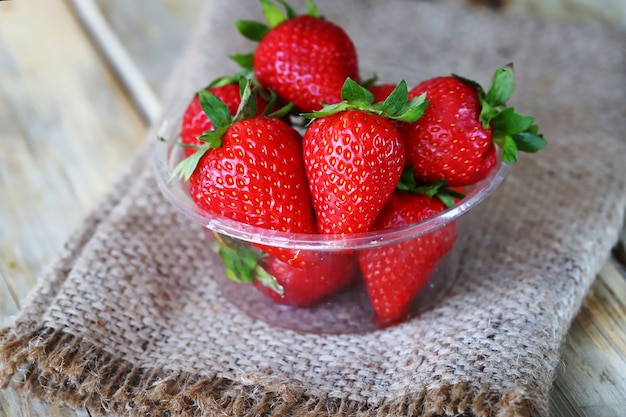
{"x":167,"y":155}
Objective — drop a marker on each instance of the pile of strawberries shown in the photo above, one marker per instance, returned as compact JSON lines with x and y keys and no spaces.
{"x":371,"y":157}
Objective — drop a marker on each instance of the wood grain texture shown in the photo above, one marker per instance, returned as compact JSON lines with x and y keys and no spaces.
{"x":152,"y":32}
{"x":67,"y":127}
{"x":13,"y":404}
{"x":123,"y":65}
{"x":591,"y":378}
{"x":66,"y":131}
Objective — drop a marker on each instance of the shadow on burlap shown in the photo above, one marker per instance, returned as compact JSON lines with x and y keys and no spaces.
{"x":128,"y":320}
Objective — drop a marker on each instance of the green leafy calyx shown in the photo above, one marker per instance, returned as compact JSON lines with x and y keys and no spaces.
{"x":219,"y":114}
{"x":436,"y":189}
{"x":274,"y":16}
{"x":245,"y":61}
{"x":228,"y":79}
{"x":396,"y":106}
{"x":512,"y":132}
{"x":220,"y":117}
{"x":242,"y":264}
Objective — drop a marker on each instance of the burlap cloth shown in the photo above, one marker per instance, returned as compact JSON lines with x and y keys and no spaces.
{"x":128,"y":320}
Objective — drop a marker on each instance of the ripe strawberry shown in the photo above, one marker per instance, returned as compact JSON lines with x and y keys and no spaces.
{"x":395,"y":274}
{"x":455,"y":139}
{"x":305,"y":286}
{"x":351,"y":175}
{"x":354,"y":157}
{"x":304,"y":58}
{"x":251,"y":170}
{"x":381,"y":91}
{"x":284,"y":283}
{"x":195,"y":121}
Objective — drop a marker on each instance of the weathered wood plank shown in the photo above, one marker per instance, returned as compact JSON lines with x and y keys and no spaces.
{"x":123,"y":65}
{"x":591,"y":379}
{"x":8,"y":299}
{"x":13,"y":404}
{"x":67,"y":130}
{"x":152,"y":32}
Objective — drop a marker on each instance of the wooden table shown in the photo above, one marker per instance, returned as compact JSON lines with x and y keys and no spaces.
{"x":70,"y":120}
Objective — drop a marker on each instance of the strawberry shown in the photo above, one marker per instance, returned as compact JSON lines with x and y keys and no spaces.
{"x":354,"y":156}
{"x":456,"y":138}
{"x":351,"y":177}
{"x":250,"y":169}
{"x":381,"y":91}
{"x":281,"y":282}
{"x":305,"y":286}
{"x":303,"y":58}
{"x":195,"y":121}
{"x":395,"y":274}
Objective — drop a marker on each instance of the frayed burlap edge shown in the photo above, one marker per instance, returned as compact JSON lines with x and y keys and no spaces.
{"x":56,"y":365}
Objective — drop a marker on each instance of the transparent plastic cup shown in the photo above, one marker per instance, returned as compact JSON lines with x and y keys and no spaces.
{"x":345,"y":310}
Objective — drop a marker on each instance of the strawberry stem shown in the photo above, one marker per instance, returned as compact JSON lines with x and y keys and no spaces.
{"x":220,"y":117}
{"x":247,"y":106}
{"x":268,"y":280}
{"x":368,"y":82}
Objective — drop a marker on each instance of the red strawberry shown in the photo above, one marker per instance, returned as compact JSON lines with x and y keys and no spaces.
{"x":305,"y":286}
{"x":395,"y":274}
{"x":196,"y":122}
{"x":351,"y":175}
{"x":381,"y":91}
{"x":449,"y":141}
{"x":251,"y":170}
{"x":304,"y":59}
{"x":284,"y":283}
{"x":354,"y":157}
{"x":455,"y":139}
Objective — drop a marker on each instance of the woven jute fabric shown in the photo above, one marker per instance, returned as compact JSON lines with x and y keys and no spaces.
{"x":129,"y":320}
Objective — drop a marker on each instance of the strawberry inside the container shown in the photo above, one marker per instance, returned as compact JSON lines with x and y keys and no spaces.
{"x":367,"y":159}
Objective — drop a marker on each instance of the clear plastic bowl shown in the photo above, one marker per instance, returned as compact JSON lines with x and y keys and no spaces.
{"x":347,"y":310}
